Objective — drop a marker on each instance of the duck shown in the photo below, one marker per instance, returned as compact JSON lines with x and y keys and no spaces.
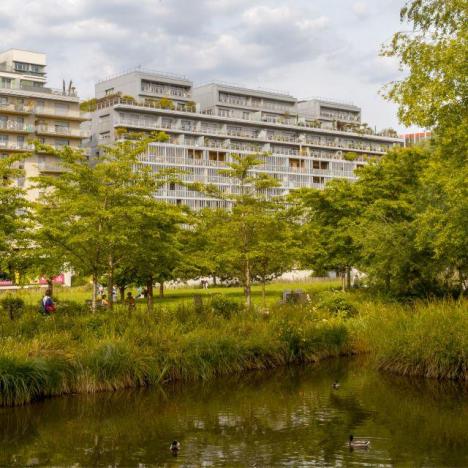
{"x":358,"y":443}
{"x":175,"y":446}
{"x":336,"y":385}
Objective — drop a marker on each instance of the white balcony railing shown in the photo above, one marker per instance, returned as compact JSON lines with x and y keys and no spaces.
{"x":16,"y":146}
{"x":60,"y":131}
{"x":16,"y":126}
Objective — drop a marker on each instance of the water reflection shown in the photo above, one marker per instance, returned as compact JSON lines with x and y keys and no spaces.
{"x":289,"y":416}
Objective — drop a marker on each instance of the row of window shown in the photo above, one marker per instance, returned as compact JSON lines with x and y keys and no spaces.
{"x":39,"y":105}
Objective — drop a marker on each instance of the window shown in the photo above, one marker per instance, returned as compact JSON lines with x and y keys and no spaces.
{"x":3,"y":121}
{"x":62,"y":127}
{"x":172,"y":186}
{"x":40,"y":104}
{"x":61,"y":107}
{"x":61,"y":142}
{"x":109,"y":91}
{"x":20,"y":141}
{"x":224,"y":113}
{"x":246,"y":115}
{"x":5,"y":82}
{"x":3,"y":140}
{"x":3,"y":101}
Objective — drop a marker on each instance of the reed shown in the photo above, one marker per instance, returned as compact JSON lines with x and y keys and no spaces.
{"x":428,"y":338}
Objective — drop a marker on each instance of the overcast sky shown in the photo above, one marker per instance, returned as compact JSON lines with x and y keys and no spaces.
{"x":309,"y":48}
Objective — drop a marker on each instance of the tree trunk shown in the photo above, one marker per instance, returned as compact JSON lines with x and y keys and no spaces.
{"x":50,"y":285}
{"x":214,"y":280}
{"x":343,"y":282}
{"x":247,"y":287}
{"x":263,"y":292}
{"x":348,"y":277}
{"x":122,"y":294}
{"x":161,"y":289}
{"x":93,"y":299}
{"x":149,"y":295}
{"x":110,"y":283}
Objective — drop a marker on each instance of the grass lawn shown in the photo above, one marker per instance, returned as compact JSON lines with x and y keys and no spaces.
{"x":174,"y":296}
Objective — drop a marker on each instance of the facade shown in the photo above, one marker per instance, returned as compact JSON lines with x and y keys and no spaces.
{"x":302,"y":143}
{"x":415,"y":138}
{"x":29,"y":110}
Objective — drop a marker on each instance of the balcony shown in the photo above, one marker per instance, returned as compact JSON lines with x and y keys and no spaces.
{"x":18,"y":147}
{"x":19,"y":109}
{"x":39,"y":89}
{"x":11,"y":126}
{"x":50,"y":167}
{"x":60,"y":131}
{"x":59,"y":113}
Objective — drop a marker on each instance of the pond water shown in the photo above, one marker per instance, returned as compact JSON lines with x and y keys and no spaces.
{"x":287,"y":417}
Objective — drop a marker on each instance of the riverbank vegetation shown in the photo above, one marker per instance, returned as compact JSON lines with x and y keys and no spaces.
{"x":80,"y":351}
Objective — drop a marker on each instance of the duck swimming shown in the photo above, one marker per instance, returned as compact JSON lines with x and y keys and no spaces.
{"x":175,"y":446}
{"x":336,"y":385}
{"x":358,"y":443}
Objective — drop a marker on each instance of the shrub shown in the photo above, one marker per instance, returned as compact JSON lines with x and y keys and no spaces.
{"x":224,"y":306}
{"x":337,"y":304}
{"x":13,"y":306}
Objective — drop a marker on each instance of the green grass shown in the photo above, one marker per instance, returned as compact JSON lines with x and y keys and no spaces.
{"x":78,"y":351}
{"x":184,"y":294}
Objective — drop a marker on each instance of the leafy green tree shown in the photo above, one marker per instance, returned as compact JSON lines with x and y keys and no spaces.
{"x":155,"y":248}
{"x":236,"y":240}
{"x":13,"y":214}
{"x":278,"y":248}
{"x":89,"y":212}
{"x":434,"y":92}
{"x":327,"y":219}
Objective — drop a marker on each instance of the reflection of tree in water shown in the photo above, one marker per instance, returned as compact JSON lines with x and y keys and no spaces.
{"x":263,"y":418}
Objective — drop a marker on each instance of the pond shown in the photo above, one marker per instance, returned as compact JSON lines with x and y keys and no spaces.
{"x":288,"y":416}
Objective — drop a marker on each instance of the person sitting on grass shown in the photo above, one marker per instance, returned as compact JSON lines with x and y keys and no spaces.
{"x":131,"y":302}
{"x":104,"y":301}
{"x":47,"y":304}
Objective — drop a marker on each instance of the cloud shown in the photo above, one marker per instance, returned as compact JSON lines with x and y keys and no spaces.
{"x":361,"y":10}
{"x":272,"y":43}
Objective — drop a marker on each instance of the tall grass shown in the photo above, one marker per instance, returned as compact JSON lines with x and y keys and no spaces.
{"x":429,"y":338}
{"x":78,"y":351}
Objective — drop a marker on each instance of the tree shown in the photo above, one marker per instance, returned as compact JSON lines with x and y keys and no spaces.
{"x":277,"y":247}
{"x":236,"y":239}
{"x":434,"y":92}
{"x":13,"y":214}
{"x":155,"y":249}
{"x":88,"y":213}
{"x":329,"y":216}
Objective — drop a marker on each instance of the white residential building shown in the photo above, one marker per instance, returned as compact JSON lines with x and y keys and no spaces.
{"x":302,"y":143}
{"x":29,"y":110}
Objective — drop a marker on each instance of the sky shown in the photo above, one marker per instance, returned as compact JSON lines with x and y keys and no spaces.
{"x":326,"y":48}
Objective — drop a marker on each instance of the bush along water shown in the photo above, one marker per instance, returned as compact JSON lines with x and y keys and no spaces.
{"x":78,"y":351}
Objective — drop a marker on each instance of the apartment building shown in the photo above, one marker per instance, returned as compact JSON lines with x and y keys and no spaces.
{"x":29,"y":110}
{"x":412,"y":139}
{"x":302,"y":143}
